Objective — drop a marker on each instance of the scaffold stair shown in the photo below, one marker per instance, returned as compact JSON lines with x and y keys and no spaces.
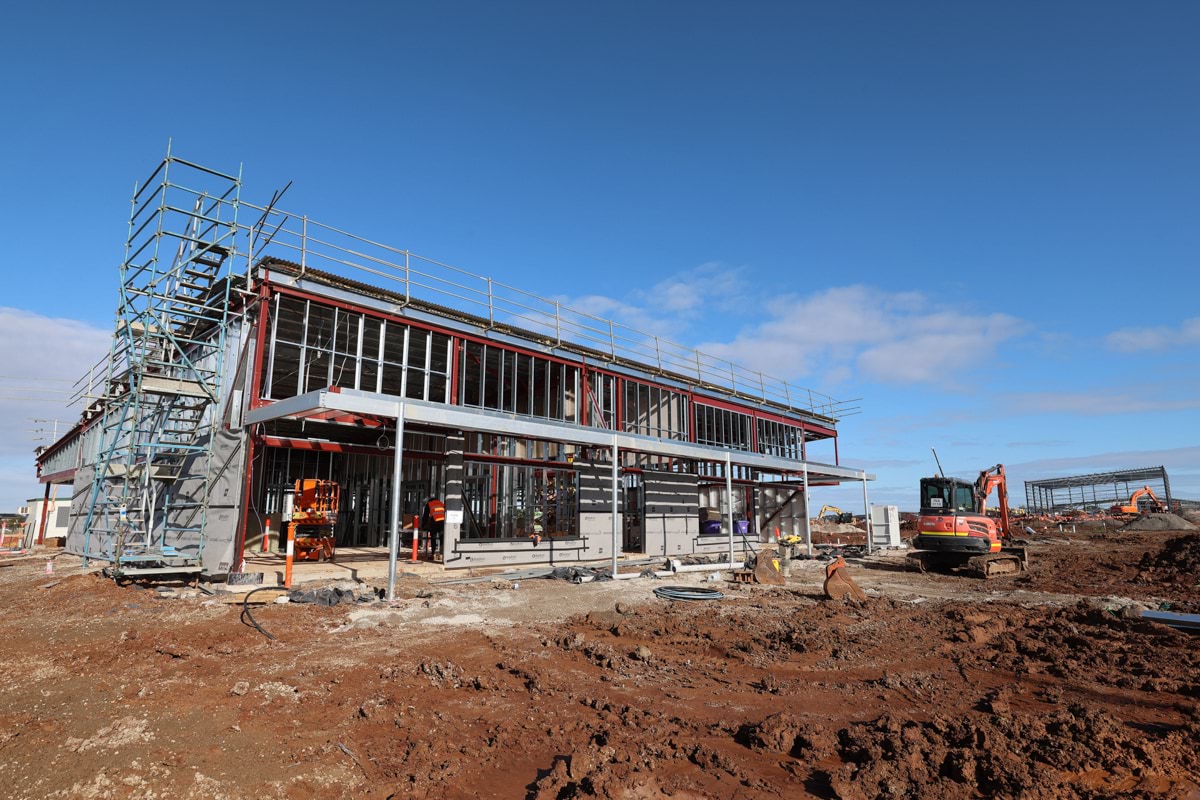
{"x":165,"y":369}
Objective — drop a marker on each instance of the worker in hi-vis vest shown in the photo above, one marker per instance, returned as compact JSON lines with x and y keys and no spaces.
{"x":433,"y":522}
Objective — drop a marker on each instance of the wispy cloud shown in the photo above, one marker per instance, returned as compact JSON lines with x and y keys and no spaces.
{"x":1040,"y":443}
{"x":40,"y":358}
{"x":1098,"y":403}
{"x":671,"y":307}
{"x":1185,"y":459}
{"x":1134,"y":340}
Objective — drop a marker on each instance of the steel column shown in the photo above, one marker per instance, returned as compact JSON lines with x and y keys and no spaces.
{"x":807,"y":511}
{"x":729,"y":501}
{"x":394,"y":536}
{"x":867,"y":512}
{"x":615,"y":480}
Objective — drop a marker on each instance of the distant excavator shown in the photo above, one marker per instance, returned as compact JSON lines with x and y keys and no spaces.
{"x":830,"y":513}
{"x":1143,"y":497}
{"x":955,"y":532}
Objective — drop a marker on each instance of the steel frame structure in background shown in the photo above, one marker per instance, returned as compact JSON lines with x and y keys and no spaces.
{"x":1094,"y":492}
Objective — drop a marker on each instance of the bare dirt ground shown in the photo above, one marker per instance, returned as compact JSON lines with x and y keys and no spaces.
{"x":938,"y":687}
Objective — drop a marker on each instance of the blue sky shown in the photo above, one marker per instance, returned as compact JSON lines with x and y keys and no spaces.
{"x":981,"y":219}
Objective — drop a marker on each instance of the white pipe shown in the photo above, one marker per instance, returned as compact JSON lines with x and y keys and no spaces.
{"x":677,"y":567}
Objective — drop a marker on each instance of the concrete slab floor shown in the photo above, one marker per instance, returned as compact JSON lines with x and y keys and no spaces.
{"x":371,"y":563}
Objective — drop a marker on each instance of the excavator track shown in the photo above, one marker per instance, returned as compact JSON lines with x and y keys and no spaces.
{"x":1008,"y":562}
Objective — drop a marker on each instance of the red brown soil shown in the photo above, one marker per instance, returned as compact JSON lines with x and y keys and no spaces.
{"x":943,"y":687}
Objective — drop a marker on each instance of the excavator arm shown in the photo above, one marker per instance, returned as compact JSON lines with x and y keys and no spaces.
{"x":1147,"y":492}
{"x":1133,"y":509}
{"x":989,"y":479}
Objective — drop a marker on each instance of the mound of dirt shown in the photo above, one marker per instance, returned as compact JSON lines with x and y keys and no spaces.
{"x":1160,"y":522}
{"x":1178,"y":564}
{"x":835,"y":527}
{"x":1074,"y":751}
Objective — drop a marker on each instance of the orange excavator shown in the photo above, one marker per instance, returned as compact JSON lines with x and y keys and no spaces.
{"x":1134,"y":507}
{"x":954,"y":531}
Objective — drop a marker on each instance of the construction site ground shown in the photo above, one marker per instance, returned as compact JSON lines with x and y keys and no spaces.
{"x":1043,"y":686}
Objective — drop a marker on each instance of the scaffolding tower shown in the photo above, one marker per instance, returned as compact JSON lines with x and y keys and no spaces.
{"x":164,"y":373}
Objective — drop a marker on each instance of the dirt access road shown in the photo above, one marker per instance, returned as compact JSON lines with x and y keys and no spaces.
{"x":938,"y":687}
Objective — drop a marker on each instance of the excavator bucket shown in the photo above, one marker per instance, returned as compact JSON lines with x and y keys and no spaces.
{"x":839,"y":585}
{"x":766,"y":571}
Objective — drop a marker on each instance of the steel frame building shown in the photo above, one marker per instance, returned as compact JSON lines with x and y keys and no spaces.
{"x":1095,"y":492}
{"x":239,"y":366}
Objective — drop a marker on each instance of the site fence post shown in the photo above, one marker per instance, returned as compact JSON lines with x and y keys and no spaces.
{"x":303,"y":245}
{"x":407,"y":279}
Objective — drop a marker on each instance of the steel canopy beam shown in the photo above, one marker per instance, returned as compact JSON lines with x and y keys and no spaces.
{"x":481,"y":420}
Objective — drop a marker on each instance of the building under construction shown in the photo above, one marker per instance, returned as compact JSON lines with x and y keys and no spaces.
{"x":255,"y":347}
{"x":1097,"y":492}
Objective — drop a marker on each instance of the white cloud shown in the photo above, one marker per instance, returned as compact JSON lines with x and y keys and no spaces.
{"x":833,"y":335}
{"x":885,"y":336}
{"x":1135,"y":340}
{"x":40,"y":358}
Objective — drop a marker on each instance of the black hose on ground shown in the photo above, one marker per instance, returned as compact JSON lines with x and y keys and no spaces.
{"x":687,"y":593}
{"x":246,"y":615}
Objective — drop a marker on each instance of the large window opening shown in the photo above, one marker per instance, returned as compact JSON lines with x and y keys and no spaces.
{"x":311,"y":346}
{"x":499,"y":379}
{"x":780,"y":439}
{"x":517,"y":501}
{"x":654,"y":411}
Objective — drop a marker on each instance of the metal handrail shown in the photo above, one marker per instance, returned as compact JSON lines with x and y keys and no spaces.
{"x":501,"y":303}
